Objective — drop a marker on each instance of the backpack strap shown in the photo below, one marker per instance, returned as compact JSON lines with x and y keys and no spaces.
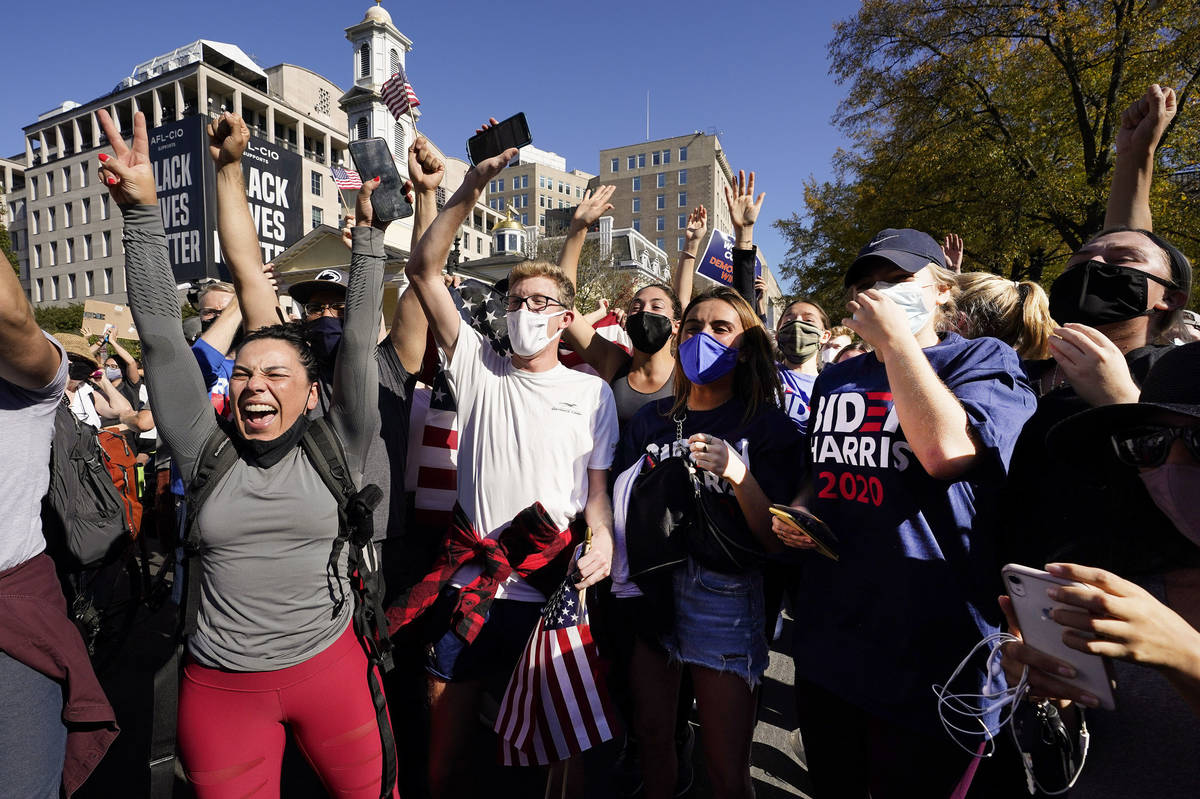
{"x":356,"y":528}
{"x":216,"y":458}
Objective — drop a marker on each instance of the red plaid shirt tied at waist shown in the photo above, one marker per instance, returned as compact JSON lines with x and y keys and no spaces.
{"x":529,"y":544}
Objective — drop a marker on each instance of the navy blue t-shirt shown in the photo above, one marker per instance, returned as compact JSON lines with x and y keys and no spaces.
{"x":769,"y":443}
{"x":916,"y":584}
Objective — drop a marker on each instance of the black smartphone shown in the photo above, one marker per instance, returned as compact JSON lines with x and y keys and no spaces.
{"x":372,"y":159}
{"x":512,"y":132}
{"x":811,"y":526}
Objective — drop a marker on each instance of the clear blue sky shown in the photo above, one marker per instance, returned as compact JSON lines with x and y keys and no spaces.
{"x":754,"y":69}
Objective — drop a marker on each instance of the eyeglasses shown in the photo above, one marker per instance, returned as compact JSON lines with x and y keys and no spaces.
{"x":1147,"y":447}
{"x":317,"y":308}
{"x":534,"y":302}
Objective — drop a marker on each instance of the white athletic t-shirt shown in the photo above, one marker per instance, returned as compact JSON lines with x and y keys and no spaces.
{"x":524,"y":437}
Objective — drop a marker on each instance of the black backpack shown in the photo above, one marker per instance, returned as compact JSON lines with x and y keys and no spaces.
{"x":355,"y":529}
{"x":83,"y":514}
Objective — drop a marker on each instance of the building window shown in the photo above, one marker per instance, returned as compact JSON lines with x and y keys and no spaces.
{"x":524,"y":181}
{"x":33,"y":189}
{"x":37,"y":256}
{"x":67,"y":209}
{"x":615,"y":164}
{"x":87,"y":251}
{"x":683,"y":153}
{"x":104,"y":206}
{"x":683,"y":177}
{"x":89,"y":283}
{"x":106,"y":250}
{"x":315,"y":180}
{"x":83,"y":175}
{"x":666,"y":156}
{"x":680,"y":242}
{"x":323,"y":99}
{"x":361,"y":128}
{"x":637,"y":204}
{"x":524,"y":200}
{"x":70,"y":287}
{"x":660,"y":201}
{"x":541,"y":201}
{"x":108,"y":278}
{"x":317,"y":216}
{"x":393,"y":61}
{"x":641,"y":160}
{"x":479,"y":245}
{"x":655,"y":158}
{"x":660,"y":243}
{"x":37,"y":290}
{"x":631,"y":162}
{"x":637,"y":184}
{"x":49,"y":184}
{"x":683,"y":221}
{"x":683,"y":199}
{"x":66,"y":181}
{"x":542,"y":220}
{"x":85,"y":210}
{"x":492,"y":186}
{"x":49,"y":220}
{"x":524,"y":219}
{"x":52,"y":250}
{"x":541,"y":181}
{"x":662,"y":179}
{"x":637,"y":224}
{"x":364,"y":60}
{"x":68,"y":252}
{"x":660,"y":223}
{"x":400,"y":148}
{"x":34,"y":223}
{"x":500,"y":184}
{"x":54,"y":288}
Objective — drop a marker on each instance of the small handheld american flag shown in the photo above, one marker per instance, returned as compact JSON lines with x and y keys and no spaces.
{"x":556,"y":704}
{"x":345,"y":178}
{"x":398,"y":94}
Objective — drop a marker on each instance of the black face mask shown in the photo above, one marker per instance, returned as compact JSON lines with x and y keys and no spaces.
{"x":265,"y":454}
{"x":1097,"y":293}
{"x":79,"y":370}
{"x":648,"y":331}
{"x":324,"y":334}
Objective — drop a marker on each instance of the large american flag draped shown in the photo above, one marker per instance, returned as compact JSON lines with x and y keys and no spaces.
{"x":437,"y":456}
{"x":345,"y":178}
{"x":556,"y":704}
{"x":398,"y":94}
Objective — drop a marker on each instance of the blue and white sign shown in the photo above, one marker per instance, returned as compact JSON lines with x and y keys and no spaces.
{"x":717,"y":262}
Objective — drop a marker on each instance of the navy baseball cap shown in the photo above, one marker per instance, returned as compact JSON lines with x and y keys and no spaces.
{"x":327,"y":279}
{"x":911,"y":250}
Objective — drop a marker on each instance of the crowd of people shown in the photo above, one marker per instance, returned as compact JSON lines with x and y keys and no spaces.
{"x":868,"y":479}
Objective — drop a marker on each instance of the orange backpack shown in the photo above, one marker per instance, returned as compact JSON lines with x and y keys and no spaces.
{"x":121,"y":462}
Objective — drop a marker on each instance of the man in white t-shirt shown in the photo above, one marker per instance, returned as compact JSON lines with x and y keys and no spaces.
{"x":531,"y":430}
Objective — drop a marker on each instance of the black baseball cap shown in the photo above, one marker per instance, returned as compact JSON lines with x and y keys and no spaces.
{"x":326,"y":279}
{"x":909,"y":249}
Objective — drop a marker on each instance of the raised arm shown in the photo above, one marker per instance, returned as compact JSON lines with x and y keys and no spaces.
{"x":27,"y":358}
{"x":598,"y":352}
{"x":685,"y":267}
{"x":743,"y":212}
{"x":129,"y":367}
{"x":177,"y":392}
{"x":409,"y":326}
{"x":594,"y":205}
{"x":355,"y":409}
{"x":1142,"y":127}
{"x":221,"y":332}
{"x":424,"y":269}
{"x":227,"y":140}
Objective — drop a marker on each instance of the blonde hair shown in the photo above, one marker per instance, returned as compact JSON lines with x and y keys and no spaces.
{"x":566,"y":289}
{"x":216,"y":285}
{"x":1016,"y":313}
{"x":755,"y":378}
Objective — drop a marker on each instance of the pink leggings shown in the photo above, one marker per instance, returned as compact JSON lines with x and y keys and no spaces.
{"x":232,"y":725}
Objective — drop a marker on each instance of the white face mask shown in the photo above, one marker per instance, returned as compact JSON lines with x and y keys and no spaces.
{"x":112,"y":373}
{"x":527,"y":331}
{"x":911,"y":299}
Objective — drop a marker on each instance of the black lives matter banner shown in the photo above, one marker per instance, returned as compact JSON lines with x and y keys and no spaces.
{"x":186,"y":182}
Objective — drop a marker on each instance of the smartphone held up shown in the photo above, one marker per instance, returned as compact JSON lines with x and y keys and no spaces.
{"x":512,"y":132}
{"x":372,"y":158}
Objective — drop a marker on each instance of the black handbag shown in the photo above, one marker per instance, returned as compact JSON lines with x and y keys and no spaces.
{"x":671,"y":517}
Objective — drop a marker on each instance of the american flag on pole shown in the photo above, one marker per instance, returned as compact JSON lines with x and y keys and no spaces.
{"x":345,"y":178}
{"x":398,"y":94}
{"x":556,"y":704}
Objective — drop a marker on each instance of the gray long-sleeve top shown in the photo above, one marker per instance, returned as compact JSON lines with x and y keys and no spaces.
{"x":267,"y":601}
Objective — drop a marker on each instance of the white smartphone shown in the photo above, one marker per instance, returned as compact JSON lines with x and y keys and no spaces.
{"x":1027,"y":589}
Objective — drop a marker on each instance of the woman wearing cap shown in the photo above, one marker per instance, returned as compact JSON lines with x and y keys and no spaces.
{"x":725,"y":417}
{"x":909,"y":445}
{"x":1144,"y":617}
{"x":91,"y":395}
{"x":274,"y":650}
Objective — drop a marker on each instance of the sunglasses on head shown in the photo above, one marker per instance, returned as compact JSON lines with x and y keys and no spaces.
{"x":1147,"y":447}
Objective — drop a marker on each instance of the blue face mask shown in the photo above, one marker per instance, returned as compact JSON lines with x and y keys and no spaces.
{"x":704,"y":359}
